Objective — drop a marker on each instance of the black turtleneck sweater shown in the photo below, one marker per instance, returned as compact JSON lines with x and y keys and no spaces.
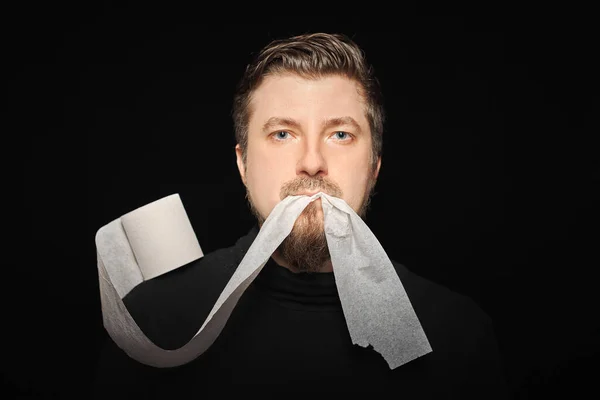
{"x":288,"y":328}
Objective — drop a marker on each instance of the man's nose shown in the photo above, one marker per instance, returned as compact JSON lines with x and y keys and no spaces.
{"x":312,"y":161}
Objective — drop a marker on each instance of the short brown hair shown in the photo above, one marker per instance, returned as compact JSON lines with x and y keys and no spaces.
{"x":311,"y":56}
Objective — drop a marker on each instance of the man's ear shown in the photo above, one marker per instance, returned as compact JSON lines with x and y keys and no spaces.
{"x":240,"y":163}
{"x":378,"y":168}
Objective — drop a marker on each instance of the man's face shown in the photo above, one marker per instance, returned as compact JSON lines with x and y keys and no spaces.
{"x":307,"y":136}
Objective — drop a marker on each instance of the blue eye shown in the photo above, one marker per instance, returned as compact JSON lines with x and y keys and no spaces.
{"x":279,"y":137}
{"x":277,"y":134}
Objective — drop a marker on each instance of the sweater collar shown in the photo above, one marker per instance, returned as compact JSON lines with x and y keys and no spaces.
{"x":303,"y":289}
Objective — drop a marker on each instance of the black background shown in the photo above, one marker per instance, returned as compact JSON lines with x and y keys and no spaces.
{"x":486,"y":186}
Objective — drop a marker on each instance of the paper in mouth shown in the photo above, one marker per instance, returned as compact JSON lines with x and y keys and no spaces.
{"x":158,"y":238}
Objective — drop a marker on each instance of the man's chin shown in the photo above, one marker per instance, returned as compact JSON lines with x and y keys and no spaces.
{"x":305,"y":249}
{"x":309,"y":224}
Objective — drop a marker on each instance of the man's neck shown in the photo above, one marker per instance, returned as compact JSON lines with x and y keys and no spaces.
{"x":326,"y":267}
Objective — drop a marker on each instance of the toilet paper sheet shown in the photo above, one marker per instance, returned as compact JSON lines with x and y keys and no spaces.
{"x":158,"y":238}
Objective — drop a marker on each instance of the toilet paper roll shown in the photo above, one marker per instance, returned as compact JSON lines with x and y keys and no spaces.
{"x":375,"y":305}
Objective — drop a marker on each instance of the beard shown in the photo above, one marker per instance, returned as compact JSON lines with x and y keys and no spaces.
{"x":305,"y":249}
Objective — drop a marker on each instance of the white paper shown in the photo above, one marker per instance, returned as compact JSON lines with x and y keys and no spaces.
{"x":375,"y":304}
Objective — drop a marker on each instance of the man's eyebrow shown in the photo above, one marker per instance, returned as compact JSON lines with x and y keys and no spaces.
{"x":338,"y":121}
{"x":327,"y":124}
{"x":279,"y":121}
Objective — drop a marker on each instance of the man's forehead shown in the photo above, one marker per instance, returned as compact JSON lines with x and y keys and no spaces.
{"x":293,"y":98}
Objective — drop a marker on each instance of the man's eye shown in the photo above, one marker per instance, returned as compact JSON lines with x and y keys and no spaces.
{"x":278,"y":135}
{"x":337,"y":134}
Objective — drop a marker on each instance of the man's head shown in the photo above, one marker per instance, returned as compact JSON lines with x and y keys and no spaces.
{"x":308,"y":117}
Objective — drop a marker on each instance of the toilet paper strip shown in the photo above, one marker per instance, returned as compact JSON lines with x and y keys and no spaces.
{"x":375,"y":305}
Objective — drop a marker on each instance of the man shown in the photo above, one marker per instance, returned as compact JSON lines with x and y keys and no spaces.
{"x":308,"y":117}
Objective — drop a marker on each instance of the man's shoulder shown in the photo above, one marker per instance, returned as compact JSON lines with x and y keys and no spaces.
{"x":170,"y":308}
{"x":440,"y":308}
{"x":215,"y":263}
{"x":211,"y":269}
{"x":460,"y":333}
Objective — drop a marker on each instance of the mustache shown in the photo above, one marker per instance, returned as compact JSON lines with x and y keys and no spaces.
{"x":312,"y":185}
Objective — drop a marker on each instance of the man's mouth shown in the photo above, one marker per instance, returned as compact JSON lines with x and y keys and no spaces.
{"x":309,"y":193}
